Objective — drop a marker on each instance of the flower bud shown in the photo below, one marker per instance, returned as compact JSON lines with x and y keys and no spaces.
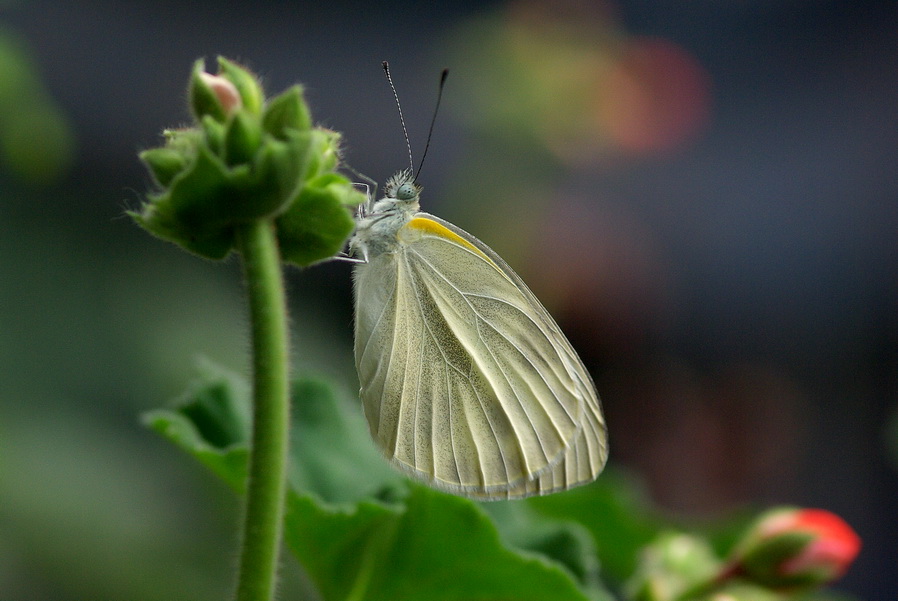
{"x":247,"y":84}
{"x":225,"y":91}
{"x":672,"y":564}
{"x":212,"y":95}
{"x":238,"y":164}
{"x":793,"y":548}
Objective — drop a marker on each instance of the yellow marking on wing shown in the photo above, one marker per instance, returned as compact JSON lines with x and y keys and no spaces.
{"x":421,"y":226}
{"x":427,"y":226}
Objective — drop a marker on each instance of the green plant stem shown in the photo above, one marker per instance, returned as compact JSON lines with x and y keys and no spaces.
{"x":266,"y":482}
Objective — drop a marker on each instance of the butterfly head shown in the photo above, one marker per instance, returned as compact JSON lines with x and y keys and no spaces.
{"x":402,"y":187}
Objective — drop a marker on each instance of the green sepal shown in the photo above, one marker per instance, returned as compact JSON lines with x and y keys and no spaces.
{"x":203,"y":100}
{"x":763,"y":561}
{"x":184,"y":139}
{"x":159,"y":221}
{"x":193,"y":211}
{"x":281,"y":163}
{"x":186,"y":213}
{"x":340,"y":187}
{"x":164,"y":163}
{"x":324,"y":153}
{"x":213,"y":135}
{"x":197,"y":194}
{"x":286,"y":111}
{"x":242,"y":138}
{"x":207,"y":198}
{"x":247,"y":85}
{"x":317,"y":224}
{"x":241,"y":193}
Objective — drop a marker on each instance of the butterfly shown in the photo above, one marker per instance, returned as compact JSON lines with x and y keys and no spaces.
{"x":467,"y":383}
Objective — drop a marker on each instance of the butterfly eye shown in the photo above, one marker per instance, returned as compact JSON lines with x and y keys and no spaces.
{"x":406,"y":192}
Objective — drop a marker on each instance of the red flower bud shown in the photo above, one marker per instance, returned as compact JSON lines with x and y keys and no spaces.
{"x":797,"y":547}
{"x":834,"y":547}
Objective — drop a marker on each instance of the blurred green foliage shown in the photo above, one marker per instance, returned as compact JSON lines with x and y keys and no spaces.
{"x":90,"y":508}
{"x":361,"y":530}
{"x":415,"y":543}
{"x":36,"y":140}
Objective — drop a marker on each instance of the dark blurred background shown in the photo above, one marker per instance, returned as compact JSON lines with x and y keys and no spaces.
{"x":703,"y":193}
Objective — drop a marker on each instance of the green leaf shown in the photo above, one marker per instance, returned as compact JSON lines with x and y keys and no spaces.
{"x":331,"y":451}
{"x":445,"y":536}
{"x":617,"y":513}
{"x":332,"y":454}
{"x":438,"y":547}
{"x":210,"y":422}
{"x":425,"y":545}
{"x":567,"y":542}
{"x":338,"y":548}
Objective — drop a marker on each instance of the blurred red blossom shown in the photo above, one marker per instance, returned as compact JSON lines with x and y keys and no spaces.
{"x":788,"y":548}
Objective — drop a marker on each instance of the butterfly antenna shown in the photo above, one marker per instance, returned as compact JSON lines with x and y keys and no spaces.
{"x":401,"y":118}
{"x":433,"y":121}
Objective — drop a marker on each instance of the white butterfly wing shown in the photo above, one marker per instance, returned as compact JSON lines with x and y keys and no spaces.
{"x":580,"y":465}
{"x":467,"y":382}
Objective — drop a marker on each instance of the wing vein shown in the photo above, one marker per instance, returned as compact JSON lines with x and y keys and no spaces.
{"x":523,"y":354}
